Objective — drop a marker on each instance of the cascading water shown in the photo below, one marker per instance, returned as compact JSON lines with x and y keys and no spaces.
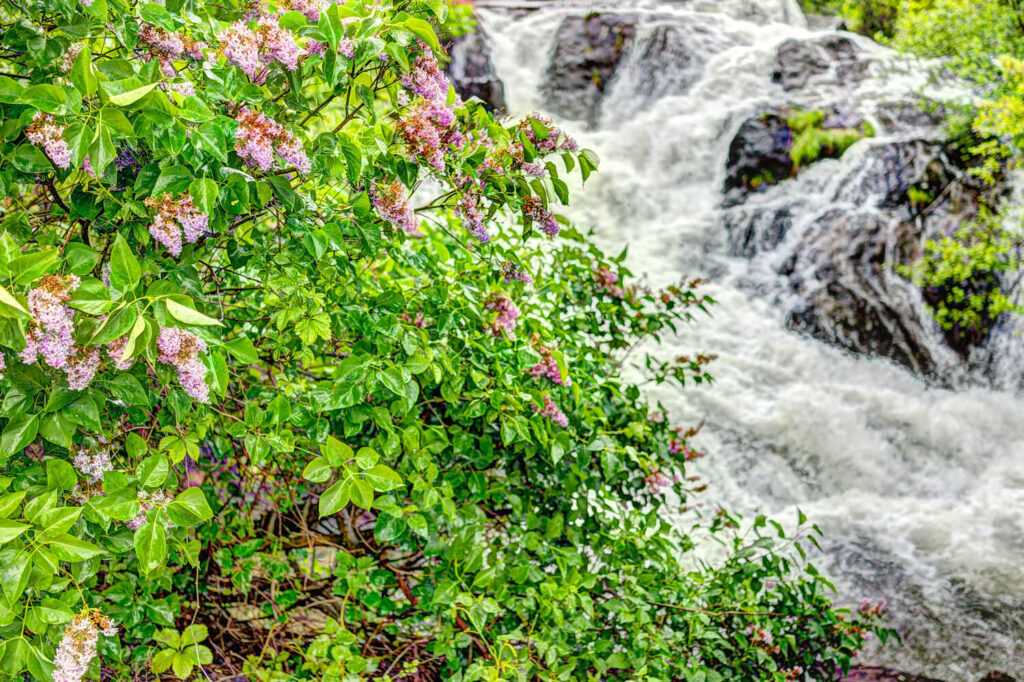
{"x":918,"y":488}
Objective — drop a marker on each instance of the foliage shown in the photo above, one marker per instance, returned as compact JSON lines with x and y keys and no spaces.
{"x":813,"y":141}
{"x":296,"y":367}
{"x":869,"y":17}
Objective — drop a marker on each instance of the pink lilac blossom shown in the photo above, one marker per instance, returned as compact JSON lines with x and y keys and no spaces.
{"x":86,"y":3}
{"x":426,"y":78}
{"x":254,"y":50}
{"x":87,"y":167}
{"x":427,"y":129}
{"x":176,"y":218}
{"x":68,"y":60}
{"x":607,"y":281}
{"x":504,"y":323}
{"x":308,"y":8}
{"x":78,"y":645}
{"x":554,"y":139}
{"x":181,"y":349}
{"x":146,"y":502}
{"x":81,"y":368}
{"x":552,"y":412}
{"x":548,"y":365}
{"x":183,"y":88}
{"x":93,"y":463}
{"x":534,"y":209}
{"x":163,"y":46}
{"x":657,"y":481}
{"x":258,"y":139}
{"x":52,"y":330}
{"x":515,"y":273}
{"x":3,"y":366}
{"x":115,"y":349}
{"x":392,"y":203}
{"x":45,"y":132}
{"x":472,"y":217}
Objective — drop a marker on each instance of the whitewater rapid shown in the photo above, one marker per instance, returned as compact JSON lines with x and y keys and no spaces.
{"x":919,"y":490}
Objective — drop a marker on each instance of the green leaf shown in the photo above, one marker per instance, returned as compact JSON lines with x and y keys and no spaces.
{"x":189,"y":508}
{"x":156,"y":14}
{"x":82,"y":75}
{"x":133,"y":337}
{"x":125,"y":271}
{"x":56,"y":521}
{"x":10,"y":502}
{"x":92,"y":298}
{"x":335,"y":498}
{"x":331,"y":26}
{"x":243,"y":350}
{"x":172,"y":180}
{"x":362,"y":493}
{"x":318,"y":470}
{"x":422,"y":30}
{"x":125,"y":98}
{"x":193,"y":634}
{"x":53,"y":611}
{"x":10,"y":530}
{"x":153,"y":470}
{"x":69,"y":548}
{"x":189,"y":315}
{"x":46,"y":97}
{"x":183,"y":665}
{"x":204,"y":194}
{"x":101,"y":151}
{"x":11,"y":307}
{"x":19,"y":432}
{"x":383,"y":478}
{"x":336,"y":452}
{"x":151,"y":545}
{"x":163,"y":660}
{"x":30,"y":159}
{"x":81,"y":259}
{"x":30,"y":267}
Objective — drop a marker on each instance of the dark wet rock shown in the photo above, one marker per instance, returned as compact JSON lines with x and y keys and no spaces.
{"x":760,"y":153}
{"x":905,"y":117}
{"x":877,"y":674}
{"x":851,"y":298}
{"x":588,"y":51}
{"x":472,"y":72}
{"x":752,"y":231}
{"x":995,"y":676}
{"x":834,"y":58}
{"x":758,"y":157}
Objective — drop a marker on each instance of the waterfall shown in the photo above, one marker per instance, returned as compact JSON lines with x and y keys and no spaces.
{"x":917,"y":481}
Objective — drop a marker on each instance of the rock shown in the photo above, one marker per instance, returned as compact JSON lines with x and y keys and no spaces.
{"x":758,"y":157}
{"x":852,"y":299}
{"x":835,"y":58}
{"x":876,"y":674}
{"x":587,"y":53}
{"x":995,"y":676}
{"x":757,"y":230}
{"x":472,"y":72}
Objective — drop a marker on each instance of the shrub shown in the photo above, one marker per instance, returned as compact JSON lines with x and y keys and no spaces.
{"x":299,"y":382}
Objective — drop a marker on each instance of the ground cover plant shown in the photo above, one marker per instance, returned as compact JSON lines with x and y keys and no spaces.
{"x":305,"y":377}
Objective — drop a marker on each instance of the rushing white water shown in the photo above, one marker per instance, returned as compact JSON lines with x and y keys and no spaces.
{"x":919,"y":490}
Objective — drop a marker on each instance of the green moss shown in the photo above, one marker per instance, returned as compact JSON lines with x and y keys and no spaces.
{"x":812,"y":141}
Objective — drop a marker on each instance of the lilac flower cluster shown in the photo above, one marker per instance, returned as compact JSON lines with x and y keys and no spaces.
{"x":254,"y":50}
{"x":147,"y":501}
{"x":181,"y":349}
{"x":607,"y":281}
{"x":51,"y":333}
{"x":115,"y":350}
{"x":308,"y":8}
{"x":554,"y":140}
{"x":515,"y":273}
{"x":428,"y":130}
{"x":45,"y":132}
{"x":472,"y":217}
{"x":426,"y":78}
{"x":657,"y":481}
{"x":183,"y":88}
{"x":533,"y":208}
{"x":504,"y":323}
{"x":78,"y":645}
{"x":552,"y":412}
{"x":346,"y":48}
{"x":548,"y":365}
{"x":94,"y":463}
{"x":392,"y":203}
{"x":176,"y":218}
{"x":68,"y":59}
{"x":258,"y":139}
{"x":3,"y":366}
{"x":679,"y":447}
{"x":165,"y":47}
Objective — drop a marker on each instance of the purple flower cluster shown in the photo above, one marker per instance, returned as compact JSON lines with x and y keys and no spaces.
{"x":308,"y":8}
{"x":426,"y":78}
{"x":115,"y":350}
{"x":45,"y":132}
{"x":93,"y":463}
{"x":554,"y":140}
{"x":254,"y":50}
{"x":607,"y":281}
{"x":472,"y":217}
{"x":506,"y":314}
{"x":146,"y":502}
{"x":548,"y":365}
{"x":552,"y":412}
{"x":51,"y":333}
{"x":68,"y":59}
{"x":176,"y":218}
{"x":392,"y":203}
{"x":181,"y":349}
{"x":657,"y":481}
{"x":165,"y":47}
{"x":78,"y":645}
{"x":258,"y":139}
{"x":515,"y":273}
{"x":3,"y":366}
{"x":426,"y":127}
{"x":533,"y":208}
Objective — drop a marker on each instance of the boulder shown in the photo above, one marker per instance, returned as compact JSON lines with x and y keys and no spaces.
{"x":834,"y":58}
{"x":877,"y":674}
{"x":588,"y":51}
{"x":850,"y":297}
{"x":758,"y":157}
{"x":995,"y":676}
{"x":472,"y":72}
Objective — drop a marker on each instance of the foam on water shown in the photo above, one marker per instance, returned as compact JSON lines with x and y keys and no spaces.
{"x":919,"y":490}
